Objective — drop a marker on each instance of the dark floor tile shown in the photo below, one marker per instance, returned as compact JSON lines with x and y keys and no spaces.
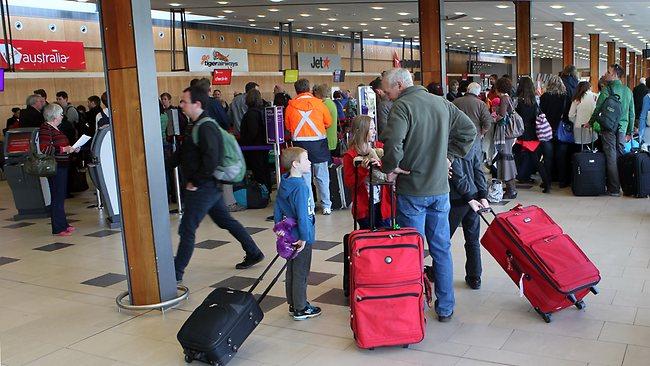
{"x":103,"y":233}
{"x":106,"y":280}
{"x":337,"y":258}
{"x":54,"y":246}
{"x":271,"y":302}
{"x":524,"y":186}
{"x":255,"y":230}
{"x":325,"y":245}
{"x":18,"y":225}
{"x":211,"y":244}
{"x":333,"y":297}
{"x":316,"y":278}
{"x":236,"y":282}
{"x":502,"y":203}
{"x":7,"y":260}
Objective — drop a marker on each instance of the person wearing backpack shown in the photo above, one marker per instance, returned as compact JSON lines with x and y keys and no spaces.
{"x":614,"y":119}
{"x":204,"y":155}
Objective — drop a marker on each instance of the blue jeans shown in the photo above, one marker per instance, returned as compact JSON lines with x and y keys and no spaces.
{"x":208,"y":199}
{"x":430,"y":216}
{"x":322,"y":179}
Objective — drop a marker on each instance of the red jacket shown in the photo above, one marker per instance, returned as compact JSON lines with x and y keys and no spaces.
{"x":361,"y":190}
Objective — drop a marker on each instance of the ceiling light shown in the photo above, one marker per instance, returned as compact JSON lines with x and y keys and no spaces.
{"x":222,"y":2}
{"x":290,"y":19}
{"x":459,"y":13}
{"x":274,"y":10}
{"x":363,"y":23}
{"x":377,"y":7}
{"x":276,"y":1}
{"x":611,"y":14}
{"x":602,"y":7}
{"x":466,"y":28}
{"x":323,"y":9}
{"x":251,"y":20}
{"x":324,"y":24}
{"x":252,"y":25}
{"x":403,"y":13}
{"x":605,"y":32}
{"x":405,"y":24}
{"x":261,"y":16}
{"x":569,"y":13}
{"x":557,"y":6}
{"x":511,"y":28}
{"x":297,"y":30}
{"x":174,"y":4}
{"x":599,"y":29}
{"x":383,"y":27}
{"x":558,"y":28}
{"x":228,"y":11}
{"x":498,"y":24}
{"x":625,"y":26}
{"x":480,"y":30}
{"x":376,"y":19}
{"x":580,"y":19}
{"x":635,"y":33}
{"x":591,"y":25}
{"x":451,"y":23}
{"x":305,"y":15}
{"x":549,"y":24}
{"x":344,"y":27}
{"x":310,"y":27}
{"x":617,"y":19}
{"x":477,"y":18}
{"x":330,"y":30}
{"x":502,"y":6}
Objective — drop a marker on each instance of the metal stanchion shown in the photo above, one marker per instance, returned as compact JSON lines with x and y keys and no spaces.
{"x":177,"y":186}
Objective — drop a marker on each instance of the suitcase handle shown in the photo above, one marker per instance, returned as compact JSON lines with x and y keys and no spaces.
{"x":371,"y":193}
{"x":275,"y":279}
{"x":484,"y":210}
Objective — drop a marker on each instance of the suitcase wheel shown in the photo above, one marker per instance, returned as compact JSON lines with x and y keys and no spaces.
{"x":545,"y":316}
{"x":189,"y":358}
{"x":594,"y":290}
{"x":580,"y":305}
{"x":405,"y":346}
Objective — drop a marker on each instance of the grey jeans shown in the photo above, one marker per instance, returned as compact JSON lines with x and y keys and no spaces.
{"x":296,"y":280}
{"x":613,"y":149}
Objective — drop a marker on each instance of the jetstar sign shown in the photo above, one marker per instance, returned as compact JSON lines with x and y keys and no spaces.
{"x":43,"y":55}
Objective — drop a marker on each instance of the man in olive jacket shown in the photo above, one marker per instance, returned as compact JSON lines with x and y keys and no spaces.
{"x":423,"y":134}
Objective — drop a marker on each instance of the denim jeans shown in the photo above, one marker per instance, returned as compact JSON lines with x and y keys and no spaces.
{"x":430,"y":216}
{"x":463,"y":214}
{"x":613,"y":149}
{"x":207,"y":199}
{"x":322,"y":179}
{"x":58,"y":190}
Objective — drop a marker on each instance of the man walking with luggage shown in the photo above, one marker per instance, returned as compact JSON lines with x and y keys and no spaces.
{"x":622,"y":120}
{"x":423,"y":133}
{"x":203,"y":194}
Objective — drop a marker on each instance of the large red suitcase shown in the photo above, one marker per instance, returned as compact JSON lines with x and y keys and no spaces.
{"x":546,"y":264}
{"x":386,"y":285}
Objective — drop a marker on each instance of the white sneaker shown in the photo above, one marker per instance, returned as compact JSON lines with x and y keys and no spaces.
{"x":327,"y":211}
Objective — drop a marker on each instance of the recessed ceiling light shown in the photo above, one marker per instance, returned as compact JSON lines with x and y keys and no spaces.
{"x":459,"y":13}
{"x":222,"y":2}
{"x":330,"y":30}
{"x":557,"y":6}
{"x":276,"y":1}
{"x":635,"y":33}
{"x":451,"y":23}
{"x":498,"y":24}
{"x":273,"y":10}
{"x":405,"y":24}
{"x":344,"y":27}
{"x":480,"y":30}
{"x":599,"y":29}
{"x":371,"y":34}
{"x":331,"y":19}
{"x":376,"y":19}
{"x":580,"y":19}
{"x":569,"y":13}
{"x":605,"y":32}
{"x":477,"y":18}
{"x":261,"y":16}
{"x":467,"y":28}
{"x":591,"y":25}
{"x":305,"y":15}
{"x":617,"y":19}
{"x":251,"y":19}
{"x":363,"y":23}
{"x":228,"y":11}
{"x":252,"y":25}
{"x":602,"y":7}
{"x":403,"y":13}
{"x":297,"y":30}
{"x":611,"y":14}
{"x":310,"y":27}
{"x":324,"y":24}
{"x":377,"y":7}
{"x":549,"y":24}
{"x":511,"y":28}
{"x":625,"y":26}
{"x":290,"y":19}
{"x":558,"y":28}
{"x":323,"y":9}
{"x":503,"y":6}
{"x":383,"y":27}
{"x":174,"y":4}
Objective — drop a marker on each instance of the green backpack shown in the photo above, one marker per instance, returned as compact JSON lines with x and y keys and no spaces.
{"x":232,"y":167}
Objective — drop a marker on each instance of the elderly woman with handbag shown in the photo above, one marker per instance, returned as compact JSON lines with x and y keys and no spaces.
{"x":54,"y":142}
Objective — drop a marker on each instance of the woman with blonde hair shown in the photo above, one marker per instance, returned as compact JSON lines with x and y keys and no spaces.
{"x":553,"y":104}
{"x":356,"y":175}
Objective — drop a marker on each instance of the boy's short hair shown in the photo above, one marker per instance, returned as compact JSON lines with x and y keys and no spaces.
{"x":289,"y":155}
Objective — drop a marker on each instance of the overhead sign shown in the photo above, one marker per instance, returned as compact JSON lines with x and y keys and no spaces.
{"x":43,"y":55}
{"x":323,"y":62}
{"x":221,"y":76}
{"x":207,"y":59}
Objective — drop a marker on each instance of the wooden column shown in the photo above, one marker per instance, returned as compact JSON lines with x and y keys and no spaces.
{"x":632,"y":73}
{"x":132,"y":90}
{"x":522,"y":24}
{"x":594,"y":61}
{"x":623,"y":58}
{"x":568,"y":43}
{"x":432,"y":41}
{"x":611,"y":53}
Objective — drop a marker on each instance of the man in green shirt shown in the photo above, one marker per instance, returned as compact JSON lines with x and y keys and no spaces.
{"x":613,"y":141}
{"x":424,"y":132}
{"x":323,"y":91}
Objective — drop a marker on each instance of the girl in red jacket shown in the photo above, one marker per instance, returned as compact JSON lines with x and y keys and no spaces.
{"x":355,"y":162}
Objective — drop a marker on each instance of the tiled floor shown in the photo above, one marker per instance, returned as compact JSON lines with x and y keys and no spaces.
{"x":57,"y":303}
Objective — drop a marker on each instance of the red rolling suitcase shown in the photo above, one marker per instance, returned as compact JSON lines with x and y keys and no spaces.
{"x":546,"y":264}
{"x":386,"y":286}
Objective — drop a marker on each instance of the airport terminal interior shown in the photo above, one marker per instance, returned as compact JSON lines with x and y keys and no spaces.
{"x":72,"y":298}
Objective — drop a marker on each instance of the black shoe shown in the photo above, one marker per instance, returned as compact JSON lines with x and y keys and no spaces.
{"x":309,"y":311}
{"x":445,"y":319}
{"x":473,"y":282}
{"x":526,"y":181}
{"x":249,"y":261}
{"x":510,"y":196}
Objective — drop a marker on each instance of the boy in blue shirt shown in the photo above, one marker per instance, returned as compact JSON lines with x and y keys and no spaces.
{"x":293,"y":200}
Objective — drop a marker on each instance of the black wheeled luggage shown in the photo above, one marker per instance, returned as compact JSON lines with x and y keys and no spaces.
{"x":217,"y":329}
{"x":634,"y":173}
{"x":589,"y":173}
{"x":339,"y":193}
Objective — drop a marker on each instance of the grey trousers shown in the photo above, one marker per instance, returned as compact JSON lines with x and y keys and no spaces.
{"x":296,"y":280}
{"x":613,"y":149}
{"x":471,"y":224}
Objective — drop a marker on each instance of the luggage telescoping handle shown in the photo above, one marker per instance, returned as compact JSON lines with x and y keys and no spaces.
{"x":371,"y":202}
{"x":591,"y":135}
{"x":484,"y":210}
{"x":275,"y":279}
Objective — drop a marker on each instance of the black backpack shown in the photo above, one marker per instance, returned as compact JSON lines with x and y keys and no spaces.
{"x":610,"y":112}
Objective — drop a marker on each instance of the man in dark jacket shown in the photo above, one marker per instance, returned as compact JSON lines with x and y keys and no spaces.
{"x":203,"y":193}
{"x":214,"y":108}
{"x":475,"y":109}
{"x":570,"y":79}
{"x":31,"y":116}
{"x":638,"y":93}
{"x":468,"y":193}
{"x":424,"y":133}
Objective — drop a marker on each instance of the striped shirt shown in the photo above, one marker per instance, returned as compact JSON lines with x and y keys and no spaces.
{"x":52,"y":141}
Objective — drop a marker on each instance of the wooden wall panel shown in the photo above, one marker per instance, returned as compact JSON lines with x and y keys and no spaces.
{"x":91,"y":39}
{"x":37,"y":28}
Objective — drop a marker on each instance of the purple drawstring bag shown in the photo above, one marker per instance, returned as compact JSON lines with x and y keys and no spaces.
{"x":285,"y":240}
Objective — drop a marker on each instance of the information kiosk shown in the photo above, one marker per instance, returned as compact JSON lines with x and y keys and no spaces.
{"x":102,"y":173}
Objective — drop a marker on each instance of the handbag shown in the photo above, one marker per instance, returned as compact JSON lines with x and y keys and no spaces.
{"x":40,"y":164}
{"x":495,"y":191}
{"x":542,"y":127}
{"x":565,"y":132}
{"x":514,"y":123}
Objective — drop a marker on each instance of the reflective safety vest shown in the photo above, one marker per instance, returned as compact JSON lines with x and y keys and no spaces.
{"x":307,"y":118}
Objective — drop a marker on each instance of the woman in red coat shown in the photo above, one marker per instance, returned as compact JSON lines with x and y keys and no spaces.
{"x":355,"y":175}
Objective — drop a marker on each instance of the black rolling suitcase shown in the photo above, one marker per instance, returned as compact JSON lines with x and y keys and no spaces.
{"x":634,"y":173}
{"x":219,"y":326}
{"x":589,"y":173}
{"x":339,"y":193}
